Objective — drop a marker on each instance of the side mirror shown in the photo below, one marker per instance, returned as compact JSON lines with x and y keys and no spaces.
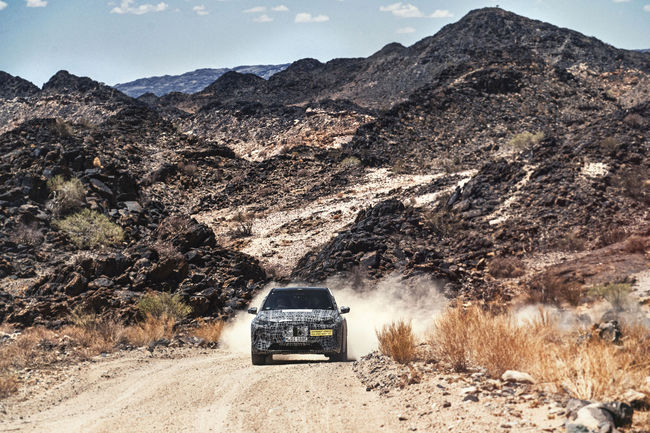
{"x":345,"y":310}
{"x":252,"y":310}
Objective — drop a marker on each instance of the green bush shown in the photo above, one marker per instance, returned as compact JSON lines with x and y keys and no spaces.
{"x":524,"y":140}
{"x":164,"y":304}
{"x":68,"y":194}
{"x":89,"y":229}
{"x":350,"y":161}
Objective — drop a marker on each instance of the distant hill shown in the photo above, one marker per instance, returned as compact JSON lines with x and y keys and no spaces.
{"x":191,"y":82}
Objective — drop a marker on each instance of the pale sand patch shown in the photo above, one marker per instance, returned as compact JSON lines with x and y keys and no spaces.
{"x":594,"y":170}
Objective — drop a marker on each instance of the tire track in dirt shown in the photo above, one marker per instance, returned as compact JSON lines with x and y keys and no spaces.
{"x":214,"y":392}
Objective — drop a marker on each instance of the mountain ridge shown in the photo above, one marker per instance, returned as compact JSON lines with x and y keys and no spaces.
{"x":190,"y":82}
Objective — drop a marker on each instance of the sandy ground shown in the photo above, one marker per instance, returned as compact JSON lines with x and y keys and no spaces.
{"x":194,"y":390}
{"x":205,"y":392}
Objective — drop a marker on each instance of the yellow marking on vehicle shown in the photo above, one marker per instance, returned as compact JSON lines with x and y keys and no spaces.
{"x":321,"y":333}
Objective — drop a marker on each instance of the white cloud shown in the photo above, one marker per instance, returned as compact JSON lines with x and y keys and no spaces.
{"x":646,"y":8}
{"x":280,"y":8}
{"x":126,"y":8}
{"x":407,"y":10}
{"x":255,"y":10}
{"x":405,"y":30}
{"x":200,"y":10}
{"x":620,"y":1}
{"x":305,"y":17}
{"x":2,"y":5}
{"x":36,"y":3}
{"x":264,"y":18}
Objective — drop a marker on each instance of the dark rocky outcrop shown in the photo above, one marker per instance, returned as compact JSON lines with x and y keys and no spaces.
{"x":15,"y":87}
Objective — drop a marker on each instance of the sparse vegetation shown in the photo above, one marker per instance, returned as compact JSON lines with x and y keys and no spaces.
{"x":552,"y":289}
{"x":609,"y":145}
{"x":209,"y":331}
{"x":524,"y":141}
{"x":63,"y":128}
{"x":611,"y":236}
{"x":189,"y":170}
{"x":68,"y":194}
{"x":89,"y":229}
{"x":152,"y":328}
{"x":635,"y":183}
{"x":27,"y":234}
{"x":635,"y":245}
{"x":162,"y":305}
{"x":397,"y":341}
{"x":350,"y":161}
{"x":244,"y":225}
{"x":617,"y":294}
{"x":8,"y":385}
{"x":588,"y":368}
{"x":571,"y":241}
{"x":506,"y":267}
{"x":400,"y":167}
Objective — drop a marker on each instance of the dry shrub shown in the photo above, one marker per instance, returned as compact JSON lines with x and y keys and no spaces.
{"x":635,"y":245}
{"x":244,"y":225}
{"x":161,"y":305}
{"x":506,"y":267}
{"x":617,"y":294}
{"x":68,"y":194}
{"x":587,"y":367}
{"x":473,"y":336}
{"x":547,"y":288}
{"x":634,"y":182}
{"x":151,"y":329}
{"x":571,"y":241}
{"x":450,"y":338}
{"x":209,"y":331}
{"x":27,"y":234}
{"x":524,"y":141}
{"x":8,"y":384}
{"x":188,"y":169}
{"x":397,"y":341}
{"x":611,"y":236}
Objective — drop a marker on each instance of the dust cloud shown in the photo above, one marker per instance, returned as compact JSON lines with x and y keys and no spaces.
{"x":372,"y":305}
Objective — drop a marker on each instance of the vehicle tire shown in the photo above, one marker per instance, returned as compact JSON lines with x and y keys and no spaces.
{"x":258,"y":359}
{"x":342,"y":356}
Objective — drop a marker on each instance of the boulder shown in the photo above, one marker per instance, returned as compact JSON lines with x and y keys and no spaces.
{"x":517,"y":377}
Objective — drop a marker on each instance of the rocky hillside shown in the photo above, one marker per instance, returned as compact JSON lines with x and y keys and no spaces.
{"x":500,"y":139}
{"x":191,"y":82}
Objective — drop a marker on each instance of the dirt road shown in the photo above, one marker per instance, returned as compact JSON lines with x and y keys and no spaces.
{"x":215,"y":391}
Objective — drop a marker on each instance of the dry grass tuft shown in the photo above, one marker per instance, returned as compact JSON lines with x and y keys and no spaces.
{"x":397,"y":341}
{"x":506,"y":267}
{"x":584,"y":367}
{"x":209,"y":331}
{"x":547,"y":288}
{"x":635,"y":245}
{"x":8,"y":384}
{"x":151,"y":329}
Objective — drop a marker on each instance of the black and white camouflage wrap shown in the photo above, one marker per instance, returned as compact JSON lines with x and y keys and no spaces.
{"x":289,"y":331}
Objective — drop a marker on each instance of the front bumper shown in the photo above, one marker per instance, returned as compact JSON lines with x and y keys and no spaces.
{"x":296,"y":337}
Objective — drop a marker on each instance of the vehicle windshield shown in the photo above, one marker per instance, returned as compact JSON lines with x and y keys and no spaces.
{"x":298,"y":300}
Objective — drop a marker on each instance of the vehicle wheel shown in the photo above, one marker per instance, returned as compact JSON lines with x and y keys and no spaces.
{"x":258,"y":359}
{"x":343,"y":355}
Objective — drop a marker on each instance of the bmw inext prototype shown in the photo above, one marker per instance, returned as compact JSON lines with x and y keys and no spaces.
{"x":298,"y":320}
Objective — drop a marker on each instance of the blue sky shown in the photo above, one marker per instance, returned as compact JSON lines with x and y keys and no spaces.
{"x":121,"y":40}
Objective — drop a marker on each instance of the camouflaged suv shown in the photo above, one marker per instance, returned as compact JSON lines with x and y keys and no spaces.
{"x":298,"y":320}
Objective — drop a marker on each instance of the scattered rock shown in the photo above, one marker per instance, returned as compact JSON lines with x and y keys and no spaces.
{"x":517,"y":377}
